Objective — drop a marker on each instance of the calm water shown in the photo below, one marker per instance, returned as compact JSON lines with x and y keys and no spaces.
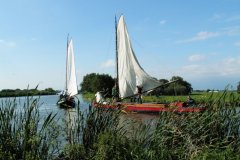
{"x":48,"y":105}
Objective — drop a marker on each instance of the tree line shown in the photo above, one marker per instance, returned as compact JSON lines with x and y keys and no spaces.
{"x":26,"y":92}
{"x":238,"y":87}
{"x":95,"y":82}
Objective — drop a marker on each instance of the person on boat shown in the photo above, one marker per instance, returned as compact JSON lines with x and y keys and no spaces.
{"x":114,"y":93}
{"x":71,"y":101}
{"x":99,"y":97}
{"x":134,"y":98}
{"x":139,"y":93}
{"x":62,"y":94}
{"x":190,"y":101}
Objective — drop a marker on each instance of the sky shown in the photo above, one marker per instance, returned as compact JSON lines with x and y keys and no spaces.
{"x":196,"y":40}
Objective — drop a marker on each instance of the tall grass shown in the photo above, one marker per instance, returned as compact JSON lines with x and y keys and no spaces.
{"x":88,"y":130}
{"x":105,"y":134}
{"x":214,"y":134}
{"x":23,"y":135}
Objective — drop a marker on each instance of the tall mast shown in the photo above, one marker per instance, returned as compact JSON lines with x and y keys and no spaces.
{"x":116,"y":48}
{"x":67,"y":63}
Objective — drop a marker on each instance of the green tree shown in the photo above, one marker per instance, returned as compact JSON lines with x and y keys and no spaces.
{"x":97,"y":82}
{"x":238,"y":87}
{"x":160,"y":90}
{"x":180,"y":87}
{"x":47,"y":91}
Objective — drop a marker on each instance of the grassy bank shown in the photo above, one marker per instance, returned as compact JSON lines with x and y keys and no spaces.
{"x":104,"y":134}
{"x":197,"y":96}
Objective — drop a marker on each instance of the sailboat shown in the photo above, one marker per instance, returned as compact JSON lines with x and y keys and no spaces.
{"x":66,"y":99}
{"x":131,"y":75}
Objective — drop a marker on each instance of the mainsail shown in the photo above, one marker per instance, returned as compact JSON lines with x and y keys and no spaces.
{"x":71,"y":82}
{"x":130,"y":73}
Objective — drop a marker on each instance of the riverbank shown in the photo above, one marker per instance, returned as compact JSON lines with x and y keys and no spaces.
{"x":26,"y":92}
{"x":199,"y":97}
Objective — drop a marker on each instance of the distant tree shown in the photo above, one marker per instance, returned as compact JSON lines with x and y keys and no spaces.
{"x":180,"y":87}
{"x":97,"y":82}
{"x":47,"y":91}
{"x":25,"y":92}
{"x":163,"y":81}
{"x":87,"y":83}
{"x":238,"y":87}
{"x":160,"y":90}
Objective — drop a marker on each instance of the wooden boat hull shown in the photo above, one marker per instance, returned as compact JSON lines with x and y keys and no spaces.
{"x":64,"y":103}
{"x":180,"y":107}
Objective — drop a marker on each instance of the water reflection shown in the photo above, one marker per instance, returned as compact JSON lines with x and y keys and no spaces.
{"x":47,"y":105}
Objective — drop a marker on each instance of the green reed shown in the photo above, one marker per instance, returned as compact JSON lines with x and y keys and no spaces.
{"x":87,"y":129}
{"x":23,"y":134}
{"x":101,"y":134}
{"x":213,"y":134}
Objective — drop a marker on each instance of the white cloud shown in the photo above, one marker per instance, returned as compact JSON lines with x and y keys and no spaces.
{"x":203,"y":35}
{"x":231,"y":31}
{"x":230,"y":66}
{"x":162,"y":22}
{"x":33,"y":39}
{"x":225,"y":18}
{"x":226,"y":67}
{"x":108,"y":63}
{"x":7,"y":43}
{"x":196,"y":57}
{"x":217,"y":16}
{"x":234,"y":18}
{"x":197,"y":70}
{"x":237,"y":44}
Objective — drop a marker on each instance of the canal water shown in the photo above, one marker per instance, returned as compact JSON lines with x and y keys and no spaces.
{"x":48,"y":105}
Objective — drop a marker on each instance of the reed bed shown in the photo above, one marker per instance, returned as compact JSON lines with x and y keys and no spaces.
{"x":24,"y":134}
{"x":105,"y":134}
{"x":213,"y":134}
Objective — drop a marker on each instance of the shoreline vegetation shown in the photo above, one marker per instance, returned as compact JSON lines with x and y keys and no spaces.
{"x":198,"y":96}
{"x":101,"y":134}
{"x":26,"y":92}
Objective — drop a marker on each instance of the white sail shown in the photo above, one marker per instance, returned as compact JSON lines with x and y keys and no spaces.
{"x":130,"y":73}
{"x":71,"y":82}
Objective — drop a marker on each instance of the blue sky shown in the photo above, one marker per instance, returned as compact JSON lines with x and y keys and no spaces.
{"x":197,"y":40}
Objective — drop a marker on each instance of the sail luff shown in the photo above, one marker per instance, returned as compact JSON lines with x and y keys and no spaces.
{"x":116,"y":48}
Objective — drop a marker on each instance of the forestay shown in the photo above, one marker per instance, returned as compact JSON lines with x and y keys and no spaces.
{"x":130,"y":73}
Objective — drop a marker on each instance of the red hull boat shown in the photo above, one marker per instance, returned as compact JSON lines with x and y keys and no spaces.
{"x":179,"y":107}
{"x":131,"y":76}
